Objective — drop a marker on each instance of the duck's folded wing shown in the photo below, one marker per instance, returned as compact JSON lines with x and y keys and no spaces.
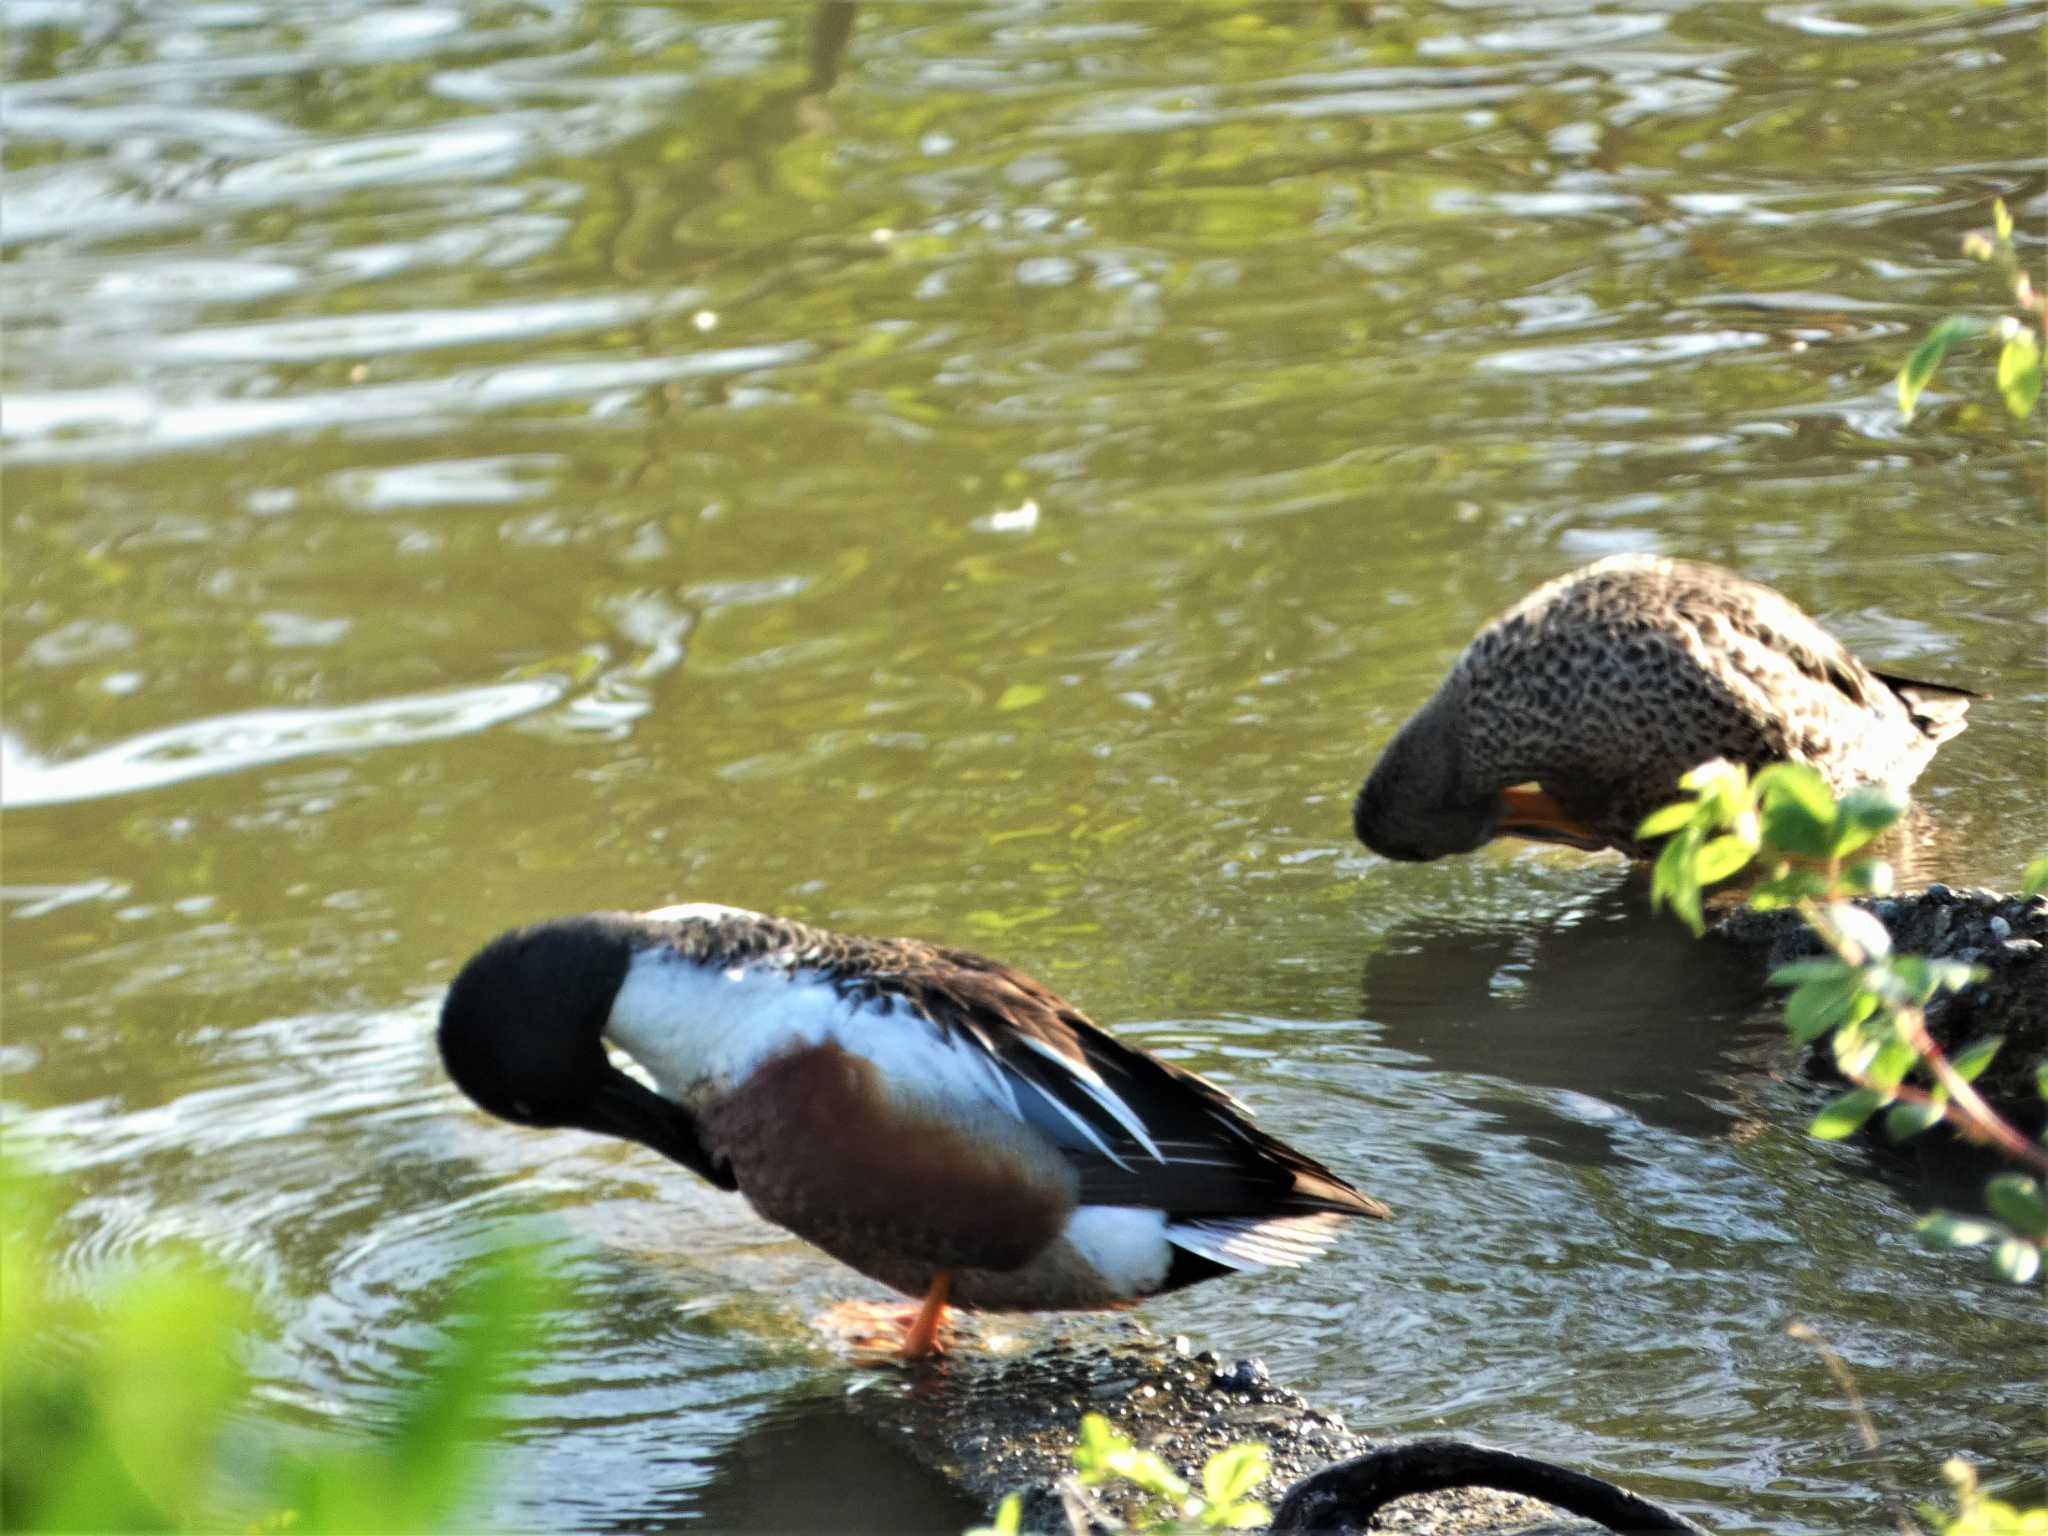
{"x":1136,"y":1130}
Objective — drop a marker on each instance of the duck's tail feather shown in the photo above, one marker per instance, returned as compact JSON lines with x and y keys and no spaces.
{"x":1938,"y":709}
{"x":1254,"y":1243}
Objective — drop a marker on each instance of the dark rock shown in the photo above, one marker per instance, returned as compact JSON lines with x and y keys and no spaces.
{"x":2008,"y":937}
{"x":1245,"y":1376}
{"x":994,"y":1424}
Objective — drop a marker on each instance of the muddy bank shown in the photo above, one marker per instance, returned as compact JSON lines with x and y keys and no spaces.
{"x":995,"y":1425}
{"x":2006,"y":935}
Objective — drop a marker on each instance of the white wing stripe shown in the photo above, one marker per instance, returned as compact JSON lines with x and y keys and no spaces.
{"x":1098,"y":1090}
{"x":1079,"y":1124}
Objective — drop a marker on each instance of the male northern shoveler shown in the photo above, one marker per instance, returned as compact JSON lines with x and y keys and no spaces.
{"x":1601,"y":688}
{"x":931,"y":1117}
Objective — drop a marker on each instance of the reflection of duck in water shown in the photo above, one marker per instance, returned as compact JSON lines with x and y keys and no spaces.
{"x":1601,"y":688}
{"x":938,"y":1121}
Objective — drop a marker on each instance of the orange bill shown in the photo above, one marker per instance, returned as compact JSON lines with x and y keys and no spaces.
{"x":1527,"y":810}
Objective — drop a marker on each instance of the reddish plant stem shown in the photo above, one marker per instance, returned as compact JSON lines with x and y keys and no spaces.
{"x":1966,"y":1110}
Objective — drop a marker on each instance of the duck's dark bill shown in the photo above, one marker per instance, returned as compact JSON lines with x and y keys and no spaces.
{"x":1527,"y":811}
{"x":623,"y":1107}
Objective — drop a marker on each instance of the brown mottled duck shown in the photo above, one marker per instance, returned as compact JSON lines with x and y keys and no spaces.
{"x":1571,"y":716}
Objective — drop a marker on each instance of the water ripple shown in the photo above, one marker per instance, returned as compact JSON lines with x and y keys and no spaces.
{"x":228,"y":743}
{"x":59,"y":425}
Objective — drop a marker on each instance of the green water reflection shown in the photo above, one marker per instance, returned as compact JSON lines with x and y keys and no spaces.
{"x":995,"y":473}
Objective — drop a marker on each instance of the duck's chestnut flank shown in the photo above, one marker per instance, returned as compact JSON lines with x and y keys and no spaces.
{"x":929,"y":1116}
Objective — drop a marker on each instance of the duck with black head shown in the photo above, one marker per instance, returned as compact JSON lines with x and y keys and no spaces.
{"x":935,"y":1119}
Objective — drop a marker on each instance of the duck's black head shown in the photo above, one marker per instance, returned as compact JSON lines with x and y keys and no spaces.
{"x":522,"y":1030}
{"x":522,"y":1033}
{"x":1414,"y":805}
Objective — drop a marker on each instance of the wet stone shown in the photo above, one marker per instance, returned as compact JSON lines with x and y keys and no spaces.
{"x":1245,"y":1376}
{"x":996,"y":1426}
{"x":2005,"y":935}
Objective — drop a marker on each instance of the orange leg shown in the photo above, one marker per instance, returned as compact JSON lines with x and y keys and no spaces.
{"x":1529,"y":811}
{"x":923,"y":1337}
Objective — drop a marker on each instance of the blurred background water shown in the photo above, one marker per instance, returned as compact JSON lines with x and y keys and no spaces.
{"x":994,"y":472}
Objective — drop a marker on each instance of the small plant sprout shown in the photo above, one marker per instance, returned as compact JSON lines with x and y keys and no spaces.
{"x":1172,"y":1508}
{"x":2019,"y":336}
{"x":1976,"y":1513}
{"x":1867,"y":1001}
{"x":1105,"y":1455}
{"x":1009,"y":1519}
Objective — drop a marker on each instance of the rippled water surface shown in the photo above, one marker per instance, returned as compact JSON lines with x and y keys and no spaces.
{"x":995,"y":473}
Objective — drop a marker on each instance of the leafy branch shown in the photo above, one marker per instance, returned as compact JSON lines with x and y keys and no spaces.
{"x":2020,"y":339}
{"x":1867,"y":1001}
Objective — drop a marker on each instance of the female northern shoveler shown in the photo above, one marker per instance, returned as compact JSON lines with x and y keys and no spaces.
{"x":1603,"y":687}
{"x":931,"y":1117}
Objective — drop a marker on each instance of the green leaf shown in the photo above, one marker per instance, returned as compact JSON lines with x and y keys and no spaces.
{"x":1672,"y":882}
{"x":2001,"y":219}
{"x":1861,"y":814}
{"x":1903,"y":1121}
{"x":2035,"y":880}
{"x":1913,"y":378}
{"x":1104,"y":1453}
{"x":1854,"y":1048}
{"x":1788,"y":890}
{"x":1790,"y":827}
{"x":167,"y":1380}
{"x":1909,"y":979}
{"x":1942,"y":1230}
{"x":1822,"y":968}
{"x":2041,"y":1079}
{"x":1713,"y":775}
{"x":1976,"y":1058}
{"x":1889,"y":1067}
{"x":1798,"y":784}
{"x":1723,"y":857}
{"x":1099,"y":1443}
{"x":2016,"y":1200}
{"x":1009,"y":1518}
{"x":1670,"y":818}
{"x":1868,"y":877}
{"x":1846,"y":1114}
{"x":2016,"y":1260}
{"x":1953,"y":975}
{"x":2019,"y":372}
{"x":1231,"y":1474}
{"x":1821,"y":1005}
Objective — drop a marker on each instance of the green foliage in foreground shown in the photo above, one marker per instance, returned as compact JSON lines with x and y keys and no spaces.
{"x":130,"y":1409}
{"x":1868,"y":1002}
{"x":1173,"y":1508}
{"x":2020,"y":339}
{"x":1977,"y":1514}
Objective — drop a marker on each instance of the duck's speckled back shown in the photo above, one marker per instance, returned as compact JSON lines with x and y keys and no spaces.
{"x":1609,"y":683}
